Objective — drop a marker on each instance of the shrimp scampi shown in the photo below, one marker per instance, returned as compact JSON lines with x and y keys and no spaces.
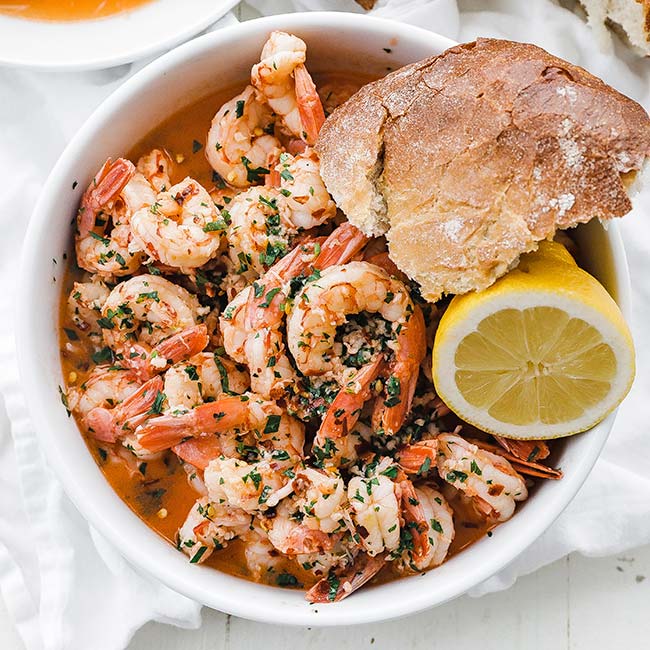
{"x":251,"y":372}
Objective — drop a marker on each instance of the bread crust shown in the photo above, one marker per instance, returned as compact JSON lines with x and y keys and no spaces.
{"x":468,"y":159}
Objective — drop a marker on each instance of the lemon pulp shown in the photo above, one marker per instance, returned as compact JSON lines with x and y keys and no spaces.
{"x":544,"y":352}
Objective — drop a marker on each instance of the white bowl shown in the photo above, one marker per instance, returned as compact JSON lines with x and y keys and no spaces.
{"x":105,"y":42}
{"x":335,"y":41}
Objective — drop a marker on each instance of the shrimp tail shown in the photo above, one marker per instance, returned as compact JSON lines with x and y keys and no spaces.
{"x":184,"y":345}
{"x":310,"y":107}
{"x":163,"y":432}
{"x":345,"y":409}
{"x":414,"y":518}
{"x":529,"y":468}
{"x":178,"y":347}
{"x":528,"y":450}
{"x":339,"y":585}
{"x":389,"y":414}
{"x":108,"y":425}
{"x":168,"y":430}
{"x":199,"y":451}
{"x":418,"y":457}
{"x":341,"y":246}
{"x":109,"y":181}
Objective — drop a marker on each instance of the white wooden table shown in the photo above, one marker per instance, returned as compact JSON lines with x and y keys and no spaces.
{"x":575,"y":604}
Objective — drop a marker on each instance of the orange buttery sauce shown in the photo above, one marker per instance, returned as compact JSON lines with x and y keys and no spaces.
{"x":66,"y":10}
{"x":158,"y":491}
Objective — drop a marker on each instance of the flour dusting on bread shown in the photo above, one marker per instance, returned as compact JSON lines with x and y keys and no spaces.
{"x":467,"y":160}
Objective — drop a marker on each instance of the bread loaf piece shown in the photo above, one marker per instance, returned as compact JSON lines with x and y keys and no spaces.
{"x":630,"y":16}
{"x":468,"y":159}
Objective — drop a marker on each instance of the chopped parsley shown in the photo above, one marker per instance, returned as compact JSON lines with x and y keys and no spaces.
{"x":157,"y":406}
{"x":272,"y":424}
{"x":254,"y":174}
{"x":287,"y":580}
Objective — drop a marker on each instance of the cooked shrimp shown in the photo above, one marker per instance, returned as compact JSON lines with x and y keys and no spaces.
{"x":85,"y":304}
{"x":290,"y":537}
{"x":375,"y":510}
{"x":283,"y":80}
{"x":262,"y":559}
{"x":209,"y":526}
{"x":104,"y":387}
{"x":321,"y":498}
{"x":306,"y":199}
{"x":339,"y":584}
{"x":181,"y":229}
{"x":98,"y":249}
{"x":104,"y":239}
{"x":253,"y":487}
{"x":147,"y":308}
{"x":258,"y":232}
{"x":120,"y":420}
{"x":239,"y":146}
{"x":312,"y":520}
{"x":438,"y":522}
{"x":205,"y":376}
{"x":264,"y":221}
{"x":272,"y":428}
{"x":489,"y":480}
{"x":323,"y":306}
{"x":251,"y":323}
{"x":154,"y":166}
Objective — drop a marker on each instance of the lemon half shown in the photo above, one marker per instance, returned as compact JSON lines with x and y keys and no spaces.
{"x":542,"y":353}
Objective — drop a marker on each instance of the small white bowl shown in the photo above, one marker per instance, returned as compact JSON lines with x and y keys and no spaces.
{"x":105,"y":42}
{"x":335,"y":41}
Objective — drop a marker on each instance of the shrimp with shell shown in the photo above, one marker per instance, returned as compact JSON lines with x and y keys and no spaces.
{"x":149,"y":322}
{"x":181,"y":228}
{"x":241,"y":145}
{"x":264,"y":221}
{"x":252,"y":322}
{"x":282,"y":78}
{"x":104,"y":239}
{"x":323,"y":306}
{"x":487,"y":479}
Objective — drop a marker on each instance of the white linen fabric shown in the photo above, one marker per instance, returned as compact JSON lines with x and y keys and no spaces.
{"x":60,"y":580}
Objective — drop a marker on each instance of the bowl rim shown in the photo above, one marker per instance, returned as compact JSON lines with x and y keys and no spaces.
{"x":147,"y":556}
{"x":53,"y":30}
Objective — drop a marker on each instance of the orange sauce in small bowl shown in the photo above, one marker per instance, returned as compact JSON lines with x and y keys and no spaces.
{"x":67,"y":10}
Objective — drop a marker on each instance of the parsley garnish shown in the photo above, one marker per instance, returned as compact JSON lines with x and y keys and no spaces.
{"x":156,"y":407}
{"x":272,"y":424}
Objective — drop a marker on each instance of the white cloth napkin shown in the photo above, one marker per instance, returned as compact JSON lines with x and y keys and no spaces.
{"x":61,"y":581}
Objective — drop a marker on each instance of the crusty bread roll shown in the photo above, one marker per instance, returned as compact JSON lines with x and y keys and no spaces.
{"x":630,"y":16}
{"x":468,"y":159}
